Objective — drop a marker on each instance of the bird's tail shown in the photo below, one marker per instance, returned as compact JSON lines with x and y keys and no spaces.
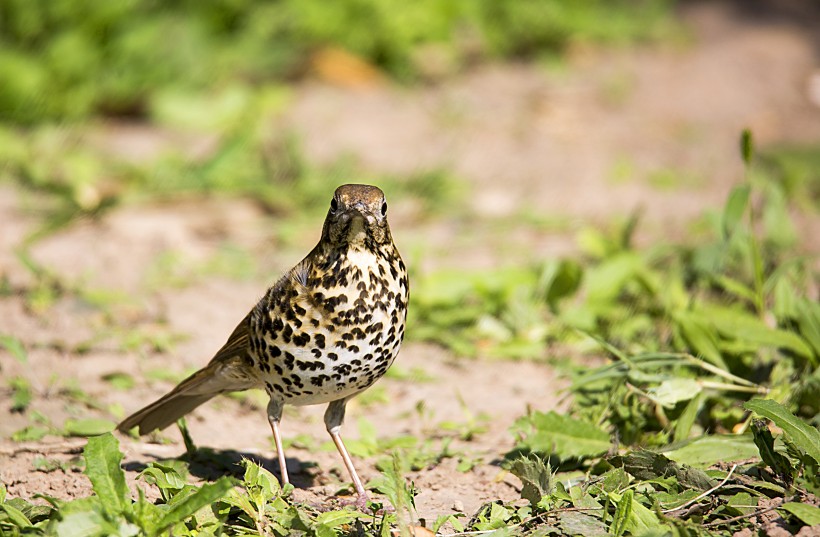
{"x":217,"y":377}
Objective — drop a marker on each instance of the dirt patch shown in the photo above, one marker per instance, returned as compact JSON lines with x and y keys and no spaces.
{"x":588,"y":143}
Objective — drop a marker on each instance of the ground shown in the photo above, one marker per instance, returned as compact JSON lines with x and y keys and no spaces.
{"x":610,"y":132}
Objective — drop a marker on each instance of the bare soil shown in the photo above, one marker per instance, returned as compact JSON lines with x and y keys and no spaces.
{"x":613,"y":131}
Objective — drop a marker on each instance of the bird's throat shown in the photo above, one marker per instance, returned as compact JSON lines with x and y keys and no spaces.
{"x":357,"y":232}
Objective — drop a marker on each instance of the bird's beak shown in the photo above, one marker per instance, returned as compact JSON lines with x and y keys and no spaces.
{"x":360,"y":210}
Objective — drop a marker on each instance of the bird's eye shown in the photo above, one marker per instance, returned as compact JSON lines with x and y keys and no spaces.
{"x":384,"y":208}
{"x":334,"y":205}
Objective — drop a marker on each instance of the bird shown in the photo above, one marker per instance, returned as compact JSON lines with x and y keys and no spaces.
{"x":327,"y":330}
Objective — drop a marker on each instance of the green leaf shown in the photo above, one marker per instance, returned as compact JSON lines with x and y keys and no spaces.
{"x":81,"y":524}
{"x":615,"y":480}
{"x":631,"y":516}
{"x":802,"y":434}
{"x":163,"y":476}
{"x":778,"y":462}
{"x":261,"y":485}
{"x":15,"y":347}
{"x":88,"y":427}
{"x":322,"y":530}
{"x":102,"y":466}
{"x":119,"y":380}
{"x":675,"y":500}
{"x":646,"y":465}
{"x":604,"y":282}
{"x":392,"y":484}
{"x":707,"y":450}
{"x":562,"y":435}
{"x":736,"y":287}
{"x":21,"y":394}
{"x":535,"y":476}
{"x":672,"y":391}
{"x":560,"y":279}
{"x":808,"y":319}
{"x":334,"y":519}
{"x":32,"y":433}
{"x":574,"y":523}
{"x":735,"y":207}
{"x":623,"y":511}
{"x":15,"y":516}
{"x":701,"y":336}
{"x":747,"y":146}
{"x":684,"y":423}
{"x":452,"y":519}
{"x":809,"y":514}
{"x":742,"y":503}
{"x":204,"y":496}
{"x":743,"y":326}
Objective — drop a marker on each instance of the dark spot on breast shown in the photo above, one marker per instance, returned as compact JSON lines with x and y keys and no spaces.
{"x":301,"y":340}
{"x":319,"y":379}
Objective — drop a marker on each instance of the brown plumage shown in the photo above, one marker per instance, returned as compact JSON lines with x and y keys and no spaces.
{"x":326,"y":331}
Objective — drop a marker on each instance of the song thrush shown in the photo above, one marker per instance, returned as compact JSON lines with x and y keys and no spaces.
{"x":323,"y":333}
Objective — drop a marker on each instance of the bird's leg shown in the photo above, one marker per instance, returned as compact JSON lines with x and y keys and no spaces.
{"x":274,"y":416}
{"x":334,"y":417}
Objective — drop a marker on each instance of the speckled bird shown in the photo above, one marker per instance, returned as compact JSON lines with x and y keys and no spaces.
{"x":326,"y":331}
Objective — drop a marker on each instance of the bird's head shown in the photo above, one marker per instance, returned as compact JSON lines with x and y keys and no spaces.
{"x":357,"y":217}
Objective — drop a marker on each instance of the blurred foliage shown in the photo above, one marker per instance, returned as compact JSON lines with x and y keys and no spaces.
{"x":68,"y":59}
{"x":72,"y":172}
{"x":797,"y":170}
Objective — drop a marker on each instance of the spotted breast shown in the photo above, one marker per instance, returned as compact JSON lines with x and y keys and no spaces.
{"x":333,"y":326}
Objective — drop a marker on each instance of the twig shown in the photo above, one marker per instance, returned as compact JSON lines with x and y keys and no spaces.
{"x":75,"y":446}
{"x":732,"y":387}
{"x":705,"y":494}
{"x":476,"y":532}
{"x":741,"y":517}
{"x":717,"y":371}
